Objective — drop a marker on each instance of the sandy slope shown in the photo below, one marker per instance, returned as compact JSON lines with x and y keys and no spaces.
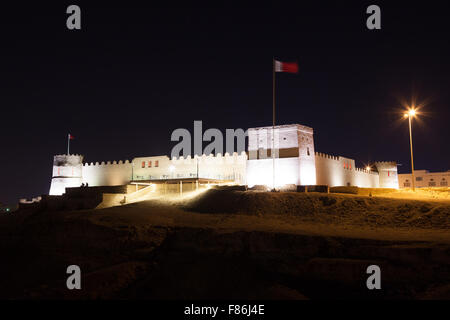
{"x":232,"y":244}
{"x":331,"y":215}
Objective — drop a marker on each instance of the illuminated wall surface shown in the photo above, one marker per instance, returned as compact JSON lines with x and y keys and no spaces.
{"x":220,"y":167}
{"x":425,"y":179}
{"x":388,"y":174}
{"x":341,"y":171}
{"x":68,"y":171}
{"x":296,"y":162}
{"x":260,"y":172}
{"x":293,"y":146}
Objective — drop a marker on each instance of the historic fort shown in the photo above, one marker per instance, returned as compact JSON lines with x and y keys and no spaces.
{"x":296,"y":164}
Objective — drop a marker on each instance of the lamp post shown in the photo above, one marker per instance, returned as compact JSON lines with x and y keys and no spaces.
{"x":410,"y":114}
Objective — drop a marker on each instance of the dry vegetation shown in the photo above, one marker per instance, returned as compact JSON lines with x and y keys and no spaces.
{"x":339,"y":209}
{"x":226,"y":243}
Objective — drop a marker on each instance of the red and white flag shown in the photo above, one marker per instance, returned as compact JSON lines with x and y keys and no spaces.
{"x":291,"y":67}
{"x":71,"y":137}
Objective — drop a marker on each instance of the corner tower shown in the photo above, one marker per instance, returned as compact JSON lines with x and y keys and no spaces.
{"x":67,"y":172}
{"x":387,"y":171}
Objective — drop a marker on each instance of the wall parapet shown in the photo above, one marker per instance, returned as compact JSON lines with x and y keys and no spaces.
{"x":327,"y":156}
{"x":107,"y":163}
{"x":227,"y":158}
{"x":385,"y":163}
{"x":366,"y":171}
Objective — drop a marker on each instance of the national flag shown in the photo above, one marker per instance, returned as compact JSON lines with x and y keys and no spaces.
{"x":291,"y":67}
{"x":71,"y":137}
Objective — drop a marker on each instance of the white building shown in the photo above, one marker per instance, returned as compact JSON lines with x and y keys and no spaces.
{"x":424,"y":179}
{"x":295,"y":162}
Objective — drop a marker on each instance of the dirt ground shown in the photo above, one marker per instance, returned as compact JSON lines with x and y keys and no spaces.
{"x":233,"y":245}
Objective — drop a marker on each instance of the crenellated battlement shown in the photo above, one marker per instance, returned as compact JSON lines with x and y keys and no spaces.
{"x":385,"y":164}
{"x":64,"y":160}
{"x":327,"y":156}
{"x":107,"y":163}
{"x":366,"y":171}
{"x":69,"y":155}
{"x":209,"y":159}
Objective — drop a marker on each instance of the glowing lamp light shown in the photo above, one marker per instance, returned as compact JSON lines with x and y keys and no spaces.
{"x":368,"y":168}
{"x":410,"y":113}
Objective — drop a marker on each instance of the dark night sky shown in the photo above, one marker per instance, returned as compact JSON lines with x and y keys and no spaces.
{"x":134,"y":73}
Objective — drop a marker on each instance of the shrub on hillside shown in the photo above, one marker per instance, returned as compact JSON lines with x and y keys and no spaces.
{"x":344,"y":189}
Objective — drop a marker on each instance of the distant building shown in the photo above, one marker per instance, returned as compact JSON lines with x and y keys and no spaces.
{"x":424,"y":179}
{"x":296,"y":163}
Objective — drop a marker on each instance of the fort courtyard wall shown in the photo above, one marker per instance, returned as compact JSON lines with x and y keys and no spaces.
{"x":341,"y":171}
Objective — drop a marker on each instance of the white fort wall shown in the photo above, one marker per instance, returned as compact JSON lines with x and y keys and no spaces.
{"x":260,"y":172}
{"x":388,"y":174}
{"x":296,"y":162}
{"x":340,"y":171}
{"x":107,"y":173}
{"x":68,"y":171}
{"x":307,"y":160}
{"x":226,"y":167}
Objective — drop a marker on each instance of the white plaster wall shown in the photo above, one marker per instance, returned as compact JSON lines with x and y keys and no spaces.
{"x":306,"y":154}
{"x":388,"y":174}
{"x":286,"y":137}
{"x":293,"y":136}
{"x":365,"y":179}
{"x":107,"y":174}
{"x":67,"y":172}
{"x":227,"y":167}
{"x":59,"y":185}
{"x":146,"y":173}
{"x":260,"y":172}
{"x":341,"y":171}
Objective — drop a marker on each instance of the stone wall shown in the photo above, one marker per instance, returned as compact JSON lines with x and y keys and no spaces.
{"x":221,"y":167}
{"x":107,"y":173}
{"x":341,"y":171}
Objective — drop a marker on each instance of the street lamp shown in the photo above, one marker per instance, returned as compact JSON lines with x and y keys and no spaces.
{"x":368,"y":168}
{"x":410,"y":114}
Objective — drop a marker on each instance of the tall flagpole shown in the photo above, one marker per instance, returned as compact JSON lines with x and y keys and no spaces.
{"x":273,"y":122}
{"x":68,"y":143}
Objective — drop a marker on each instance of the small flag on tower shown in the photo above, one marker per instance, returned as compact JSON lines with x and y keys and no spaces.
{"x":69,"y":137}
{"x":290,"y":67}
